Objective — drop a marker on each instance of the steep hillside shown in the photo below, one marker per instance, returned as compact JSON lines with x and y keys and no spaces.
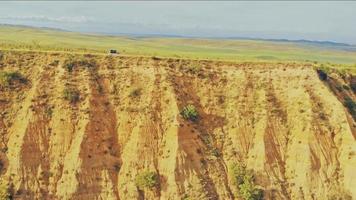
{"x":115,"y":127}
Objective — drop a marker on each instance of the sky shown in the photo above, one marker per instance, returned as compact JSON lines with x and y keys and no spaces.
{"x":316,"y":20}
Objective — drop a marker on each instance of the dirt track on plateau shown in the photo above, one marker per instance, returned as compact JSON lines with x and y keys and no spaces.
{"x":280,"y":120}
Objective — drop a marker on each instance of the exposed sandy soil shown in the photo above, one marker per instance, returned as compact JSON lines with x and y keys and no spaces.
{"x":280,"y":120}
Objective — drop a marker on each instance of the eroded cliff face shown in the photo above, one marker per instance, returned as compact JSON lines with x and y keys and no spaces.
{"x":278,"y":119}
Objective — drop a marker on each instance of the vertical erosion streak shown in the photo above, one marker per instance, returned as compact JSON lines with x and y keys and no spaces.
{"x":276,"y":141}
{"x":154,"y":134}
{"x":17,"y":132}
{"x":331,"y":143}
{"x":99,"y":150}
{"x":151,"y":135}
{"x":196,"y":143}
{"x":68,"y":123}
{"x":246,"y":112}
{"x":11,"y":99}
{"x":143,"y":125}
{"x":297,"y":154}
{"x":325,"y":166}
{"x":34,"y":151}
{"x":132,"y":90}
{"x":167,"y":123}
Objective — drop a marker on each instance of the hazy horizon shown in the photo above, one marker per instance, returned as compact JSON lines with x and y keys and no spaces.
{"x":321,"y":21}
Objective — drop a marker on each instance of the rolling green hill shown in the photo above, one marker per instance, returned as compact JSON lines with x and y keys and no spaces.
{"x":27,"y":38}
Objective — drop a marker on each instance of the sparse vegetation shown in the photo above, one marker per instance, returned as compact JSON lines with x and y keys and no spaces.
{"x":49,"y":111}
{"x":136,"y":93}
{"x":117,"y":167}
{"x":54,"y":63}
{"x":1,"y":166}
{"x":147,"y":180}
{"x":189,"y":112}
{"x":85,"y":62}
{"x":185,"y":197}
{"x":245,"y":182}
{"x":4,"y":191}
{"x":115,"y":89}
{"x":69,"y":65}
{"x":193,"y":69}
{"x":9,"y":78}
{"x":216,"y":152}
{"x":345,"y":87}
{"x":353,"y":86}
{"x":351,"y":106}
{"x":338,"y":193}
{"x":325,"y":69}
{"x":71,"y":95}
{"x":339,"y":88}
{"x":72,"y":63}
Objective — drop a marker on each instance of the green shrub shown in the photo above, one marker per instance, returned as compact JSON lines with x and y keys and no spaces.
{"x":147,"y":180}
{"x":9,"y":78}
{"x":238,"y":172}
{"x":245,"y":182}
{"x":248,"y":191}
{"x":69,"y":65}
{"x":189,"y":112}
{"x":71,"y":95}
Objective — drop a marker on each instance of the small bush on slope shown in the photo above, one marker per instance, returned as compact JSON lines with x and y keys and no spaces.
{"x":193,"y":69}
{"x":189,"y":112}
{"x":71,"y":63}
{"x":146,"y":180}
{"x":71,"y":95}
{"x":49,"y":111}
{"x":9,"y":78}
{"x":244,"y":180}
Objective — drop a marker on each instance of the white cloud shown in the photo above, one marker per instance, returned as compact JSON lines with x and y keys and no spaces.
{"x":71,"y":19}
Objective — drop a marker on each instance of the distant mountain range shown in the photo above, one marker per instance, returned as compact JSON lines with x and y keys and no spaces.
{"x":328,"y":44}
